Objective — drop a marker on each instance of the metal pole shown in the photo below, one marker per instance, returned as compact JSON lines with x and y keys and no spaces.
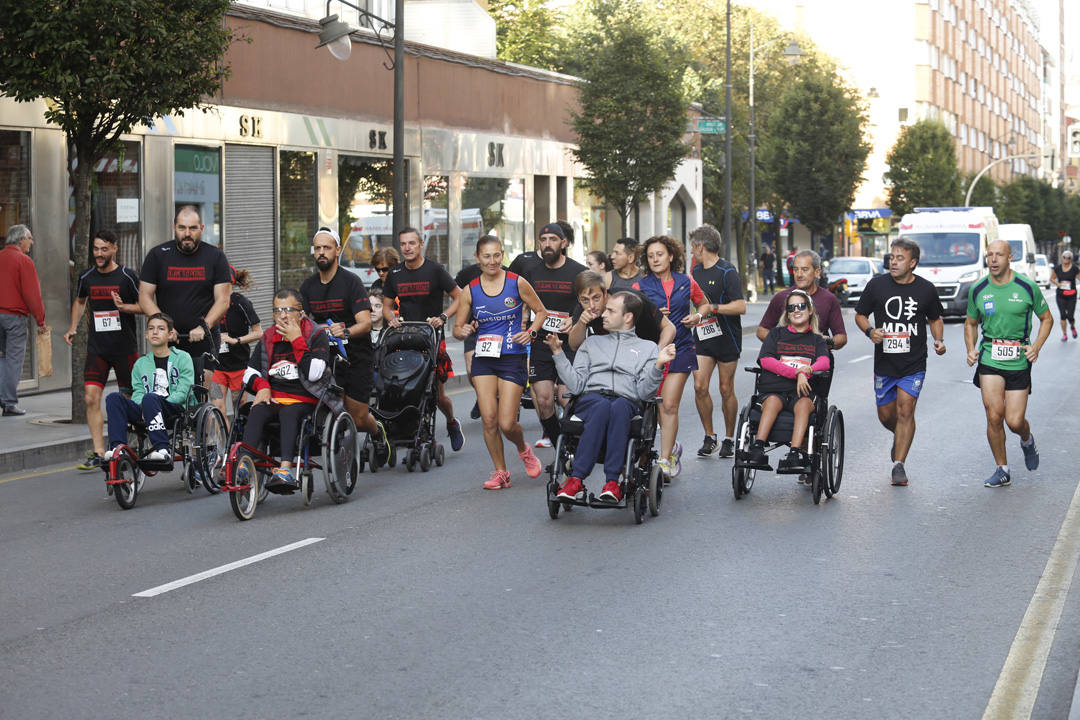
{"x":728,"y":236}
{"x":400,"y":218}
{"x":753,"y":169}
{"x":971,"y":188}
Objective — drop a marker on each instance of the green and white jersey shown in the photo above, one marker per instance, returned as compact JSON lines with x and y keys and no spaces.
{"x":1005,"y":313}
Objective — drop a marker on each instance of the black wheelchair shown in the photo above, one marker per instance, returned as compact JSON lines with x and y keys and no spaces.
{"x":327,"y":442}
{"x":824,"y":439}
{"x":641,"y":482}
{"x":198,"y":440}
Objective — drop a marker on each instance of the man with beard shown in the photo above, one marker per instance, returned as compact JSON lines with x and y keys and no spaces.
{"x":112,"y":293}
{"x":188,"y":280}
{"x":338,"y":297}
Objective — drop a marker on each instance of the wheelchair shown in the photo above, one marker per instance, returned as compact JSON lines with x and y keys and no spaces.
{"x":327,"y":442}
{"x":642,"y":483}
{"x":824,"y":439}
{"x":198,"y":440}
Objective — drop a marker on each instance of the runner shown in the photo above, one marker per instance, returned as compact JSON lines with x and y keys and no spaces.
{"x":1063,"y":277}
{"x":112,"y":293}
{"x":239,"y":328}
{"x":418,"y":284}
{"x":553,"y":279}
{"x":807,"y":271}
{"x":336,"y":296}
{"x":1003,"y":304}
{"x":598,"y":262}
{"x":466,"y":275}
{"x":497,"y":300}
{"x":624,"y":263}
{"x":677,"y":295}
{"x":719,"y":337}
{"x":902,"y":303}
{"x":652,"y":324}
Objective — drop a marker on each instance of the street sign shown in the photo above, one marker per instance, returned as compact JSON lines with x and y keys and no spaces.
{"x":712,"y":127}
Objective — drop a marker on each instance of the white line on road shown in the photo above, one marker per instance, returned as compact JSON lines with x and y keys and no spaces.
{"x":198,"y":577}
{"x":860,"y":359}
{"x":1018,"y":685}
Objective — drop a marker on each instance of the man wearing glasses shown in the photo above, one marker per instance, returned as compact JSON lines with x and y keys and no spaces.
{"x":338,"y":297}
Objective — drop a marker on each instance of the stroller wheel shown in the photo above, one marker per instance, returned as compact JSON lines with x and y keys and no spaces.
{"x":425,"y":459}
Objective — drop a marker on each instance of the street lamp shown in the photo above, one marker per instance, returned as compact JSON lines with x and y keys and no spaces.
{"x":336,"y":37}
{"x":1007,"y":158}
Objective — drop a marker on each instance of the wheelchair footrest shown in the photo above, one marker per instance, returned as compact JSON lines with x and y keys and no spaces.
{"x":155,"y":465}
{"x":282,"y":489}
{"x":793,"y":471}
{"x":235,"y":488}
{"x":119,"y":481}
{"x":742,"y":462}
{"x":595,"y":502}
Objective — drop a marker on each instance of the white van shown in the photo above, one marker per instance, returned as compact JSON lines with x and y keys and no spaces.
{"x":952,"y":243}
{"x":1022,"y":241}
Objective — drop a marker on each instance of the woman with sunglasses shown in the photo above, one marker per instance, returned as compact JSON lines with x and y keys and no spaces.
{"x":383,"y":260}
{"x":679,"y":297}
{"x":791,"y":353}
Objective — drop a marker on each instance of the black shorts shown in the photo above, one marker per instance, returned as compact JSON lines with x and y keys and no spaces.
{"x":96,"y":369}
{"x":718,"y":349}
{"x":787,"y":400}
{"x":1014,"y":379}
{"x":542,"y":364}
{"x":469,"y":343}
{"x":357,"y":376}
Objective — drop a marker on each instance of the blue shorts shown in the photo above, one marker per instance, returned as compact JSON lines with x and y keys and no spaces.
{"x":885,"y":386}
{"x":685,"y":361}
{"x":508,"y":367}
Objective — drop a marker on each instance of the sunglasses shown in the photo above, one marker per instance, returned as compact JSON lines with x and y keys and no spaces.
{"x":382,"y":269}
{"x":796,"y":307}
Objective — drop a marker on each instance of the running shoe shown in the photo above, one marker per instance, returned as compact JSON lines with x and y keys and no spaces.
{"x":1000,"y":478}
{"x":756,"y":456}
{"x":108,"y":455}
{"x":1074,"y":332}
{"x":665,"y":469}
{"x":727,"y":448}
{"x":804,"y":479}
{"x":159,"y":455}
{"x":381,"y":444}
{"x":572,"y":489}
{"x":612,"y":492}
{"x":794,"y":461}
{"x":93,"y":462}
{"x":457,"y":439}
{"x":1064,"y":337}
{"x":674,"y":462}
{"x":532,"y":463}
{"x":1031,"y":454}
{"x":543,"y":442}
{"x":475,"y":412}
{"x":899,"y":475}
{"x":676,"y":451}
{"x":281,"y":477}
{"x":708,"y":447}
{"x":499,"y":479}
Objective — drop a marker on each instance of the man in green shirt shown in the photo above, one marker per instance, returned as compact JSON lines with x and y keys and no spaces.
{"x":1003,"y":303}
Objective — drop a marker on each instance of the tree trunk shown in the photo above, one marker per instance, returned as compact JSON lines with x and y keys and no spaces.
{"x":81,"y":171}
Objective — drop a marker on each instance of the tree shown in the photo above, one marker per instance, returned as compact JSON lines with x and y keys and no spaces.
{"x":985,"y":193}
{"x":922,"y":168}
{"x":815,"y":152}
{"x":528,"y":32}
{"x":633,"y":108}
{"x":107,"y":66}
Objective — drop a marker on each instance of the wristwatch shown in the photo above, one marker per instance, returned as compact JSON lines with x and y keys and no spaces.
{"x":442,"y":316}
{"x":868,"y":331}
{"x":532,"y":334}
{"x":347,"y":333}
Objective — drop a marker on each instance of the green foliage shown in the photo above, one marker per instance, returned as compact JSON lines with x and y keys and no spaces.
{"x":528,"y":32}
{"x":1048,"y":210}
{"x":815,"y":151}
{"x":985,"y":193}
{"x":633,"y":108}
{"x":922,"y":169}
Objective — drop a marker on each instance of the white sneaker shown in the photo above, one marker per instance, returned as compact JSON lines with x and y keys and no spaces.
{"x":107,"y":457}
{"x":543,"y":443}
{"x":160,"y":455}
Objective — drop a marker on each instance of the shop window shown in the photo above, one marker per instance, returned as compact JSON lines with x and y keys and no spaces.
{"x":436,"y":219}
{"x":299,"y":216}
{"x":365,"y":207}
{"x":594,"y":221}
{"x":15,"y":206}
{"x":115,"y":204}
{"x":494,"y":206}
{"x":197,"y":181}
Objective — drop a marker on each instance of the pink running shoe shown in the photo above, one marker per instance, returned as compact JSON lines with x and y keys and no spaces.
{"x":532,"y":463}
{"x":499,"y":479}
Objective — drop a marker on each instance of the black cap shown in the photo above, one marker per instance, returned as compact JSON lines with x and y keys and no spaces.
{"x":553,"y":229}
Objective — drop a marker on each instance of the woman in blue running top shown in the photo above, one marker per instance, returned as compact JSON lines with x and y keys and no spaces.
{"x":494,"y":305}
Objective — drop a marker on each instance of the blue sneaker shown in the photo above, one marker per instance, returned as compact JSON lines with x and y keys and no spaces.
{"x":1031,"y":454}
{"x":457,"y":439}
{"x":1000,"y":478}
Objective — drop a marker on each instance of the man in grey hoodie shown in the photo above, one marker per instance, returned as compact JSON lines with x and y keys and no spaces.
{"x":612,"y":375}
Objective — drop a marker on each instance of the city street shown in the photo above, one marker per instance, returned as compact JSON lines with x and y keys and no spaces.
{"x":425,"y":596}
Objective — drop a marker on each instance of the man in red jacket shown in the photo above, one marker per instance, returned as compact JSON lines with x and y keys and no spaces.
{"x":20,"y":295}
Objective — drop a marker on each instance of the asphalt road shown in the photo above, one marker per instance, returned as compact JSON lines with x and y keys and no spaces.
{"x":428,"y":597}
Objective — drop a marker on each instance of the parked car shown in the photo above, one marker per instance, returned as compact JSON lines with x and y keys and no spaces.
{"x":856,"y":270}
{"x":1042,"y":271}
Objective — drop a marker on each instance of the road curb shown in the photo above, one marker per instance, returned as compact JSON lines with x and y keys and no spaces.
{"x":14,"y":461}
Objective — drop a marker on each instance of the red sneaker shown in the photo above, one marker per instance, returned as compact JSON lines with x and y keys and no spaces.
{"x":612,"y":492}
{"x":532,"y":463}
{"x":499,"y":479}
{"x":572,"y":489}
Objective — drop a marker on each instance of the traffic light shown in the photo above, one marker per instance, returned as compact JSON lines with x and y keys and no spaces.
{"x":1074,"y":140}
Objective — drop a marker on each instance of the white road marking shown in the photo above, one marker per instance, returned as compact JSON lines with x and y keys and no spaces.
{"x":199,"y":577}
{"x":860,"y":359}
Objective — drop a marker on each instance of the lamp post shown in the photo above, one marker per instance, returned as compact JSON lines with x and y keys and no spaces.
{"x":335,"y":35}
{"x":1007,"y":158}
{"x":727,"y":137}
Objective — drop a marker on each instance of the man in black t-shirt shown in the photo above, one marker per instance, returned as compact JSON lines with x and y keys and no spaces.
{"x":768,"y":268}
{"x":651,"y":325}
{"x":418,"y":285}
{"x":111,"y":292}
{"x":188,"y":280}
{"x":1063,"y":277}
{"x":335,"y":296}
{"x":718,"y":337}
{"x":902,"y":303}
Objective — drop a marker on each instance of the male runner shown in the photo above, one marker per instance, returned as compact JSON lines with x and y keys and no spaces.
{"x":1063,"y":277}
{"x":651,"y":324}
{"x":419,"y":284}
{"x":806,"y":269}
{"x":902,"y":303}
{"x":1003,"y":304}
{"x":338,"y":296}
{"x":719,"y":337}
{"x":626,"y":270}
{"x":112,"y":293}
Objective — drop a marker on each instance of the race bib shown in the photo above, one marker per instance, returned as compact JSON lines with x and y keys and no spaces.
{"x":896,"y":342}
{"x":224,"y":348}
{"x":489,"y":346}
{"x":795,"y":361}
{"x":708,"y":328}
{"x":106,"y":320}
{"x":1004,"y":350}
{"x":1065,"y":285}
{"x":554,"y":321}
{"x":285,"y":370}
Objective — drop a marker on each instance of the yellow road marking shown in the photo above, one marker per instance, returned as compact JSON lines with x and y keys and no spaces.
{"x":1018,"y":685}
{"x":35,"y":474}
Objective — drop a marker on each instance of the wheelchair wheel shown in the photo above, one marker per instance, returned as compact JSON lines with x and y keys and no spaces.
{"x":211,"y":446}
{"x":439,"y":456}
{"x":640,"y":503}
{"x":833,"y":455}
{"x":552,"y":504}
{"x":411,"y":458}
{"x":187,"y":474}
{"x":425,"y":459}
{"x":340,"y":463}
{"x":127,"y":491}
{"x":656,"y":489}
{"x":306,"y":489}
{"x":738,"y":477}
{"x":243,"y":502}
{"x":817,"y":478}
